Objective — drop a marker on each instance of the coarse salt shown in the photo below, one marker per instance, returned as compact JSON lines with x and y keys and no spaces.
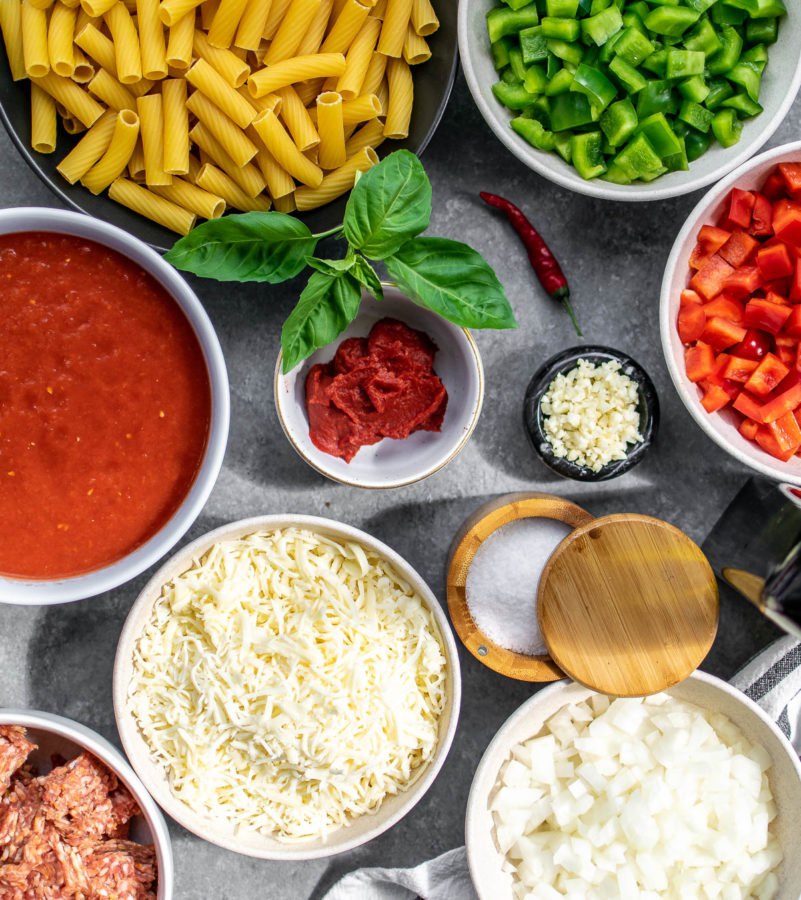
{"x":591,"y":414}
{"x":503,"y":579}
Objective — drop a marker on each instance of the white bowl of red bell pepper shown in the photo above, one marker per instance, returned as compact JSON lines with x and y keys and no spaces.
{"x":731,"y":313}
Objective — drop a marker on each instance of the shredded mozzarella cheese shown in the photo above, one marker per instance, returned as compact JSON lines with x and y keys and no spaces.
{"x":289,"y":682}
{"x":591,"y":414}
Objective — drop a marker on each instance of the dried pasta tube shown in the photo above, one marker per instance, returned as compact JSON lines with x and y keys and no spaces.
{"x":248,"y":177}
{"x":233,"y":69}
{"x":150,"y":205}
{"x":172,"y":11}
{"x":278,"y":10}
{"x":357,"y":59}
{"x":332,"y":131}
{"x":127,"y":53}
{"x":176,"y":126}
{"x":308,"y":90}
{"x":194,"y":168}
{"x":208,"y":9}
{"x":374,"y":75}
{"x":98,"y":46}
{"x":151,"y":115}
{"x":251,"y":25}
{"x":89,"y":149}
{"x":284,"y":151}
{"x":72,"y":97}
{"x":43,"y":121}
{"x":209,"y":82}
{"x":34,"y":40}
{"x":233,"y":139}
{"x":151,"y":37}
{"x":379,"y":10}
{"x":297,"y":120}
{"x":42,"y":4}
{"x":310,"y":42}
{"x":285,"y":204}
{"x":279,"y":182}
{"x":291,"y":30}
{"x":84,"y":67}
{"x":107,"y":89}
{"x":369,"y":135}
{"x":393,"y":31}
{"x":268,"y":101}
{"x":60,"y":45}
{"x":11,"y":26}
{"x":401,"y":95}
{"x":424,"y":19}
{"x":335,"y":183}
{"x":291,"y":71}
{"x":415,"y":48}
{"x":226,"y":20}
{"x":191,"y":197}
{"x":112,"y":163}
{"x":360,"y":109}
{"x":97,"y":8}
{"x":346,"y":27}
{"x":72,"y":126}
{"x":213,"y":180}
{"x":136,"y":164}
{"x":179,"y":43}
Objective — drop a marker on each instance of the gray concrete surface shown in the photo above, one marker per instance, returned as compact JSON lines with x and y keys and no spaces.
{"x":60,"y":658}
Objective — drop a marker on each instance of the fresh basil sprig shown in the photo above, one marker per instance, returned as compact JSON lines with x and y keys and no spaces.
{"x":388,"y":208}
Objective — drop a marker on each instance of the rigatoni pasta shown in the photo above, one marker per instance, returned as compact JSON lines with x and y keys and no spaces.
{"x":284,"y":101}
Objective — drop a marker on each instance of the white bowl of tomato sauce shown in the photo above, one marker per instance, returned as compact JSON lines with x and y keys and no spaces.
{"x":115,"y":406}
{"x":758,"y":334}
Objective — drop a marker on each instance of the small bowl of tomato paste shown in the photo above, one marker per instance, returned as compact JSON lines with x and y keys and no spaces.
{"x":115,"y":406}
{"x":390,"y":402}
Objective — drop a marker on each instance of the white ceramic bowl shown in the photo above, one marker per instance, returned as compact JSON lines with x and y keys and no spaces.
{"x":40,"y":592}
{"x":720,"y":426}
{"x":779,"y":86}
{"x":219,"y":831}
{"x":58,"y":736}
{"x":706,"y":691}
{"x":392,"y":463}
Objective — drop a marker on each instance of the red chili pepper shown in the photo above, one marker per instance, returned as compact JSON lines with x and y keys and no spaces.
{"x":542,"y":260}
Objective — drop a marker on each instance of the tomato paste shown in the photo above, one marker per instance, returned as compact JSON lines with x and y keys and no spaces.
{"x":375,"y":387}
{"x":104,"y":405}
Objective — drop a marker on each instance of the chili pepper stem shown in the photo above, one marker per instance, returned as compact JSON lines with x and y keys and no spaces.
{"x":563,"y":296}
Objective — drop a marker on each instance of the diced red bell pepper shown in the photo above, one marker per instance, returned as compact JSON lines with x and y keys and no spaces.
{"x":768,"y":374}
{"x":761,"y":216}
{"x":786,"y":401}
{"x":739,"y":369}
{"x":754,"y":345}
{"x":775,"y":186}
{"x":710,"y":278}
{"x":739,"y":248}
{"x":749,"y":407}
{"x":759,"y":313}
{"x":691,"y":322}
{"x":743,"y":281}
{"x":741,"y":203}
{"x":791,"y":173}
{"x":710,"y":240}
{"x":792,"y":327}
{"x":699,"y":361}
{"x":786,"y":348}
{"x":729,"y":307}
{"x":795,"y":284}
{"x":774,"y":261}
{"x":787,"y":221}
{"x":714,"y":398}
{"x":748,"y":428}
{"x":787,"y":433}
{"x":688,"y":296}
{"x":772,"y":297}
{"x":720,"y":333}
{"x":767,"y":441}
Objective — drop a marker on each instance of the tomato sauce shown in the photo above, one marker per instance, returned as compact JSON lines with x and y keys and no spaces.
{"x":105,"y":405}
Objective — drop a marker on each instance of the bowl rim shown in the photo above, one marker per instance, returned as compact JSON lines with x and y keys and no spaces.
{"x":564,"y":177}
{"x":107,"y":753}
{"x":134,"y":746}
{"x":374,"y":485}
{"x":41,"y":592}
{"x":667,"y":326}
{"x":499,"y":739}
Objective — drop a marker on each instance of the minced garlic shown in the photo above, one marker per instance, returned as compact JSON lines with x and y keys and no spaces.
{"x":591,"y":414}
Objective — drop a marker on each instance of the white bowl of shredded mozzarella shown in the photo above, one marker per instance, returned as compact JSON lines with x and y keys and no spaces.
{"x":692,"y":794}
{"x":287,"y":687}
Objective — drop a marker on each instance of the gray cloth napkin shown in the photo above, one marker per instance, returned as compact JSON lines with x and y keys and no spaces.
{"x":772,"y":679}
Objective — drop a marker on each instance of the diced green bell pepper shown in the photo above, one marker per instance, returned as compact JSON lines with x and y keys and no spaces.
{"x":757,"y":54}
{"x":500,"y":53}
{"x":633,"y":46}
{"x":508,"y":76}
{"x":516,"y":4}
{"x":747,"y":75}
{"x":657,"y":62}
{"x":743,"y":105}
{"x":563,"y":29}
{"x":695,"y":115}
{"x":619,"y":122}
{"x":684,"y":63}
{"x":535,"y":81}
{"x":719,"y":90}
{"x":677,"y":162}
{"x":703,"y":37}
{"x":567,"y":8}
{"x":726,"y":58}
{"x":569,"y":53}
{"x":761,"y":31}
{"x":656,"y":96}
{"x":601,"y":27}
{"x":630,"y":79}
{"x":562,"y":141}
{"x":638,"y":159}
{"x":586,"y":154}
{"x":570,"y":110}
{"x":696,"y":143}
{"x":660,"y":135}
{"x":513,"y":96}
{"x":671,"y":20}
{"x":720,"y":14}
{"x":615,"y":174}
{"x":594,"y":84}
{"x":502,"y":20}
{"x":516,"y":63}
{"x":727,"y":127}
{"x":694,"y":88}
{"x":700,"y":5}
{"x":559,"y":83}
{"x":553,"y":65}
{"x":533,"y":131}
{"x":759,"y":9}
{"x":532,"y":45}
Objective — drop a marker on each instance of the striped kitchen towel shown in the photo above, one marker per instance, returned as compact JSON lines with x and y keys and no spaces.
{"x":772,"y":679}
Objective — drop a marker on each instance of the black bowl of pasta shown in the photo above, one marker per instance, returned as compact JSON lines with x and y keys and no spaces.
{"x":432,"y":81}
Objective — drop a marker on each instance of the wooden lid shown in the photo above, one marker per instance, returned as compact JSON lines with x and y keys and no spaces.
{"x":628,"y":605}
{"x":476,"y":529}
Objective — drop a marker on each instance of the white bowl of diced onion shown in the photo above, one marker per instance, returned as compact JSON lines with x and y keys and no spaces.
{"x":604,"y":820}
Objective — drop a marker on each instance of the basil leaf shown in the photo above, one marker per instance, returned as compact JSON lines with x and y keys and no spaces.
{"x":254,"y":246}
{"x":453,"y":280}
{"x":332,"y":266}
{"x":389,"y":204}
{"x":326,"y":307}
{"x":365,"y":274}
